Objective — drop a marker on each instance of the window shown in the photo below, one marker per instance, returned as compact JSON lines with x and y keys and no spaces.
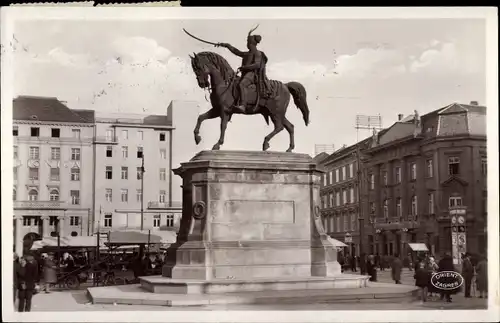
{"x":109,"y":135}
{"x":34,"y":153}
{"x":162,"y":136}
{"x":351,"y":169}
{"x":398,"y":175}
{"x":54,"y":195}
{"x":399,"y":210}
{"x":124,"y":194}
{"x":75,"y":153}
{"x":139,"y":172}
{"x":163,"y":174}
{"x":27,"y":220}
{"x":351,"y":193}
{"x":33,"y":173}
{"x":33,"y":195}
{"x":484,"y":166}
{"x":354,"y":220}
{"x":372,"y":181}
{"x":163,"y":196}
{"x":429,"y":167}
{"x":55,"y":153}
{"x":109,"y":151}
{"x":324,"y":179}
{"x":170,"y":220}
{"x":109,"y":195}
{"x":163,"y":153}
{"x":384,"y":178}
{"x":139,"y":152}
{"x":346,"y":222}
{"x":75,"y":197}
{"x":372,"y":208}
{"x":454,"y":165}
{"x":53,"y":220}
{"x":124,"y":172}
{"x":344,"y":196}
{"x":337,"y":175}
{"x":323,"y":201}
{"x":343,"y":169}
{"x":125,"y":134}
{"x":108,"y":220}
{"x":15,"y":131}
{"x":109,"y":172}
{"x":337,"y":198}
{"x":35,"y":132}
{"x":330,"y":197}
{"x":413,"y":171}
{"x":339,"y":222}
{"x":125,"y":152}
{"x":16,"y":154}
{"x":138,"y":195}
{"x":55,"y":132}
{"x":156,"y":221}
{"x":331,"y":177}
{"x":75,"y":133}
{"x":455,"y":201}
{"x":54,"y":174}
{"x":140,"y":135}
{"x":431,"y":203}
{"x":386,"y":208}
{"x":75,"y":174}
{"x":15,"y":173}
{"x":74,"y":221}
{"x":414,"y":205}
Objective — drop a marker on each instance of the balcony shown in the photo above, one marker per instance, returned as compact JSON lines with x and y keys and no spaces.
{"x":47,"y":205}
{"x":106,"y":140}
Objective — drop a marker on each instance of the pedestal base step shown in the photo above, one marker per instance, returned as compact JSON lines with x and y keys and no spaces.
{"x":135,"y":295}
{"x":164,"y":285}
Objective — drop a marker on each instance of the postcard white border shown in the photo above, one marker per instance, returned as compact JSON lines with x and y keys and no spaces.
{"x":9,"y":15}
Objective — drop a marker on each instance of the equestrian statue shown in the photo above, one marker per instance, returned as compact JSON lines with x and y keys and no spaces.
{"x":251,"y":93}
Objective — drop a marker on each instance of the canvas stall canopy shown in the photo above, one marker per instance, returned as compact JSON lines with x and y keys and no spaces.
{"x":67,"y":242}
{"x":138,"y":237}
{"x":336,"y":243}
{"x":418,"y":246}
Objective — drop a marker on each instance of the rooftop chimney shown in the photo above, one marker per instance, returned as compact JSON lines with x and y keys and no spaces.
{"x":400,"y":117}
{"x":474,"y":103}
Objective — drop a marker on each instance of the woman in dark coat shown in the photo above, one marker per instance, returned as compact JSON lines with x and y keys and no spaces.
{"x":482,"y":277}
{"x":371,"y":268}
{"x":446,"y":264}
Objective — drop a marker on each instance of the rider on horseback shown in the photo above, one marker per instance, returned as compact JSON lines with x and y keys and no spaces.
{"x":253,"y":69}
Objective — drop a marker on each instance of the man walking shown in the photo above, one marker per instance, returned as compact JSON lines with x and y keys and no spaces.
{"x":467,"y":273}
{"x":396,"y":268}
{"x":27,"y":276}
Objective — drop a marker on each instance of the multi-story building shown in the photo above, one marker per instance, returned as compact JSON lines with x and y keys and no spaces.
{"x":413,"y":175}
{"x":421,"y":169}
{"x":53,"y":167}
{"x":124,"y":144}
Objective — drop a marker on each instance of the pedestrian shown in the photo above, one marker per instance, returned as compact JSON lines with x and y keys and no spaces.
{"x":371,"y":269}
{"x":49,"y":272}
{"x":482,"y":277}
{"x":353,"y":263}
{"x":467,"y":273}
{"x":27,"y":275}
{"x":378,"y":261}
{"x":446,"y":264}
{"x":15,"y":270}
{"x":433,"y":269}
{"x":396,"y":268}
{"x":422,"y":280}
{"x":341,"y":261}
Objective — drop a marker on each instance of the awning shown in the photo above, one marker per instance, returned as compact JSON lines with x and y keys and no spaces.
{"x":336,"y":243}
{"x":67,"y":242}
{"x":136,"y":237}
{"x":418,"y":246}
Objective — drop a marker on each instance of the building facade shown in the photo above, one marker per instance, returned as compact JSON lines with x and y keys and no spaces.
{"x":419,"y":171}
{"x":53,"y":167}
{"x":75,"y":173}
{"x":123,"y":145}
{"x":413,"y":177}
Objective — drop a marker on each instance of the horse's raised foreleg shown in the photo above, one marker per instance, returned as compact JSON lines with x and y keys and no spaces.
{"x":289,"y":127}
{"x":210,"y":114}
{"x":278,"y":127}
{"x":224,"y":119}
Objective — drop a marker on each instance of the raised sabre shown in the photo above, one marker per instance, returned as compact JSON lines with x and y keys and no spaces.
{"x":199,"y":39}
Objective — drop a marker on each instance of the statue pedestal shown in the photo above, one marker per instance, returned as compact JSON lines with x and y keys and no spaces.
{"x":250,"y":215}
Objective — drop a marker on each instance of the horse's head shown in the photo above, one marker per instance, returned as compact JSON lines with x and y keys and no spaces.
{"x":200,"y":69}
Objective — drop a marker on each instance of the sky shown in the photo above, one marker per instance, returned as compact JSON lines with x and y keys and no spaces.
{"x":349,"y":67}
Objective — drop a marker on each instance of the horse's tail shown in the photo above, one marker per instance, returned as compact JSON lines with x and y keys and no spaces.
{"x":299,"y":98}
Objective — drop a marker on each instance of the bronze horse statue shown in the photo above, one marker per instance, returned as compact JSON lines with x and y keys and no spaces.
{"x":214,"y":73}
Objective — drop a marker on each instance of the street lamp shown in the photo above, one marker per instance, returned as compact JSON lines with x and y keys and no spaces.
{"x":143,"y":170}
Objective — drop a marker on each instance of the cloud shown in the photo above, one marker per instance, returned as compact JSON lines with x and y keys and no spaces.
{"x":139,"y":50}
{"x":441,"y":59}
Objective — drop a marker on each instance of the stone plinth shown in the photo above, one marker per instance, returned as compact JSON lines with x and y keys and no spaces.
{"x":250,"y":215}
